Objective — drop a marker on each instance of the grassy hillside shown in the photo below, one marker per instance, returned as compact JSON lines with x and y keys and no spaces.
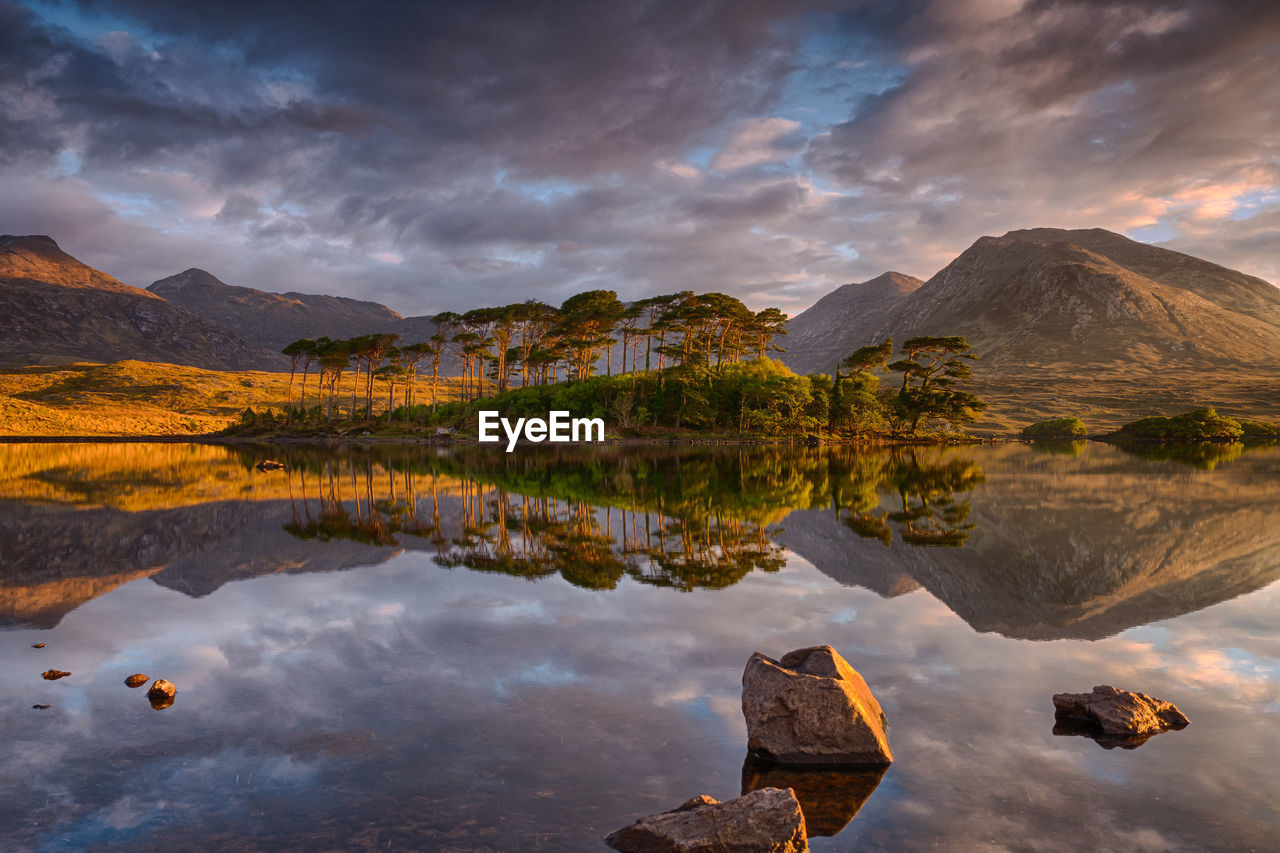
{"x":143,"y":398}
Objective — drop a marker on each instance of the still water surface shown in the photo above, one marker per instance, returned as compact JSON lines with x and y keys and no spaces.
{"x":451,"y":650}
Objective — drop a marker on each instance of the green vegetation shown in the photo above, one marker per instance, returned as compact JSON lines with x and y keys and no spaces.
{"x":682,"y":519}
{"x":1206,"y":455}
{"x":1200,"y":425}
{"x":705,"y":368}
{"x":1056,"y":428}
{"x":703,"y":378}
{"x":1260,"y":429}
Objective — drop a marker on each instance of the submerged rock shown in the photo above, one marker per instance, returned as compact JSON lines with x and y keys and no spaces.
{"x":812,"y":708}
{"x":829,"y":797}
{"x":162,"y":694}
{"x":137,"y":680}
{"x":765,"y":821}
{"x":1115,"y":717}
{"x":54,"y":674}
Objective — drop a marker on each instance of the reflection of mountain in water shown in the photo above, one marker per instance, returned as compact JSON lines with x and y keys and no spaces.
{"x":1025,"y":544}
{"x":1079,"y":549}
{"x":55,"y":558}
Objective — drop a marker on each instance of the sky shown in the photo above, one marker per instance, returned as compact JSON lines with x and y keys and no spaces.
{"x":437,"y":156}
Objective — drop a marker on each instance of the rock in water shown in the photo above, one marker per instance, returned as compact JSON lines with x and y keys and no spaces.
{"x":811,"y":707}
{"x":764,"y":821}
{"x":162,"y":694}
{"x":1119,"y":713}
{"x":137,"y":680}
{"x":54,"y":674}
{"x":270,"y":465}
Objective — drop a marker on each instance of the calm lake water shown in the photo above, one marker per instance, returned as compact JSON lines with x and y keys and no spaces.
{"x":413,"y":648}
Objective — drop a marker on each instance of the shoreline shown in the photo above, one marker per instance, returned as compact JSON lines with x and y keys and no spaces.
{"x":433,"y":441}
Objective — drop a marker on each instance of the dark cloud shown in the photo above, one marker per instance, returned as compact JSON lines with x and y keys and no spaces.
{"x":423,"y":154}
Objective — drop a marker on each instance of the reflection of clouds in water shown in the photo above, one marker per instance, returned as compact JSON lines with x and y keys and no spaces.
{"x":356,"y":691}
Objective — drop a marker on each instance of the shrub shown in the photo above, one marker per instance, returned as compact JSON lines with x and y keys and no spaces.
{"x":1200,"y":425}
{"x":1260,"y":429}
{"x":1056,"y":428}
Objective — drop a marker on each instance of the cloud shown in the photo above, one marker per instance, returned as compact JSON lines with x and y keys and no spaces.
{"x":757,"y":141}
{"x":765,"y":148}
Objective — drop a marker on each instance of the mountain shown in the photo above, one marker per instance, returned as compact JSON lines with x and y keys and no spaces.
{"x":275,"y":319}
{"x":1116,"y":327}
{"x":53,"y":308}
{"x":843,"y":320}
{"x":1072,"y":548}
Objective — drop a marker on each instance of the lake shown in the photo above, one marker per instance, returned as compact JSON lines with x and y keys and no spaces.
{"x":455,"y":649}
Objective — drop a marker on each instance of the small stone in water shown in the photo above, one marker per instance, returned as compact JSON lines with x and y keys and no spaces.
{"x":41,"y":707}
{"x":37,"y":645}
{"x":54,"y":674}
{"x":161,"y":694}
{"x":137,"y":680}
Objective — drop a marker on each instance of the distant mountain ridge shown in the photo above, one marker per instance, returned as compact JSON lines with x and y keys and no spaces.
{"x":1059,"y":318}
{"x":843,"y":320}
{"x":55,"y":308}
{"x":275,"y":319}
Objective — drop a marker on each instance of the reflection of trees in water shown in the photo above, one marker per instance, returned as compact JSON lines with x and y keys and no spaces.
{"x":488,"y":528}
{"x":1206,"y":455}
{"x":922,"y":487}
{"x":683,"y":520}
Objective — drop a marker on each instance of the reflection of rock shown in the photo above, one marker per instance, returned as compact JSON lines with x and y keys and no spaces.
{"x":162,"y":694}
{"x":829,"y":798}
{"x":765,"y":820}
{"x":54,"y":674}
{"x":1115,"y":717}
{"x":137,"y":680}
{"x":811,"y":707}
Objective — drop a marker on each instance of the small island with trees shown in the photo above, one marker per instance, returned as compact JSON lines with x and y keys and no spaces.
{"x":679,"y":364}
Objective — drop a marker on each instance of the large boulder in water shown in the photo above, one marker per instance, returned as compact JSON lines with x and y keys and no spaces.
{"x":1115,"y":717}
{"x":812,"y":708}
{"x":764,"y":821}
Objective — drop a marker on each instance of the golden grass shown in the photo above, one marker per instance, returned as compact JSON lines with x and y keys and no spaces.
{"x":137,"y":477}
{"x":129,"y":398}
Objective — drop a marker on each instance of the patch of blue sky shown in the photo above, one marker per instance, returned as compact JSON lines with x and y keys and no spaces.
{"x":547,"y":191}
{"x":88,"y":24}
{"x":701,"y":156}
{"x":131,"y":204}
{"x":1252,"y":203}
{"x":68,"y":163}
{"x":836,"y":72}
{"x":1162,"y":231}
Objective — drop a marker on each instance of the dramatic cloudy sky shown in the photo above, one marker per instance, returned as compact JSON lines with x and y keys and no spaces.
{"x":443,"y":155}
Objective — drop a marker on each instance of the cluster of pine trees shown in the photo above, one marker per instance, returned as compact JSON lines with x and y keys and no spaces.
{"x":923,"y":394}
{"x":683,"y":360}
{"x":540,"y":344}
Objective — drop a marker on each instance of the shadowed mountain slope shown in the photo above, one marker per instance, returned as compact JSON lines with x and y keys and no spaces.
{"x":53,"y":308}
{"x":844,"y":319}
